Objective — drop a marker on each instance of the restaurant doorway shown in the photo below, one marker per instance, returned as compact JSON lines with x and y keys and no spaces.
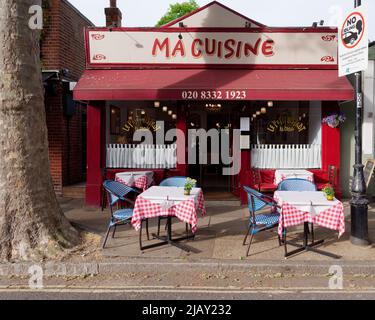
{"x":222,"y":117}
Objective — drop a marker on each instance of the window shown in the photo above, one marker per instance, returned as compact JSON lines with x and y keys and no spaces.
{"x":287,"y":135}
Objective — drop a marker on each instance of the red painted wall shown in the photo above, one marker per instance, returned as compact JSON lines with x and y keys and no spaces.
{"x":95,"y":145}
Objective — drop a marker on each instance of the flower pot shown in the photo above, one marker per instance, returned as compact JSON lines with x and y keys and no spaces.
{"x":330,"y":197}
{"x":187,"y":192}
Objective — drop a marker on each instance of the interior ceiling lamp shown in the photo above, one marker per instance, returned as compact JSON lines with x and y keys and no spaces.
{"x":258,"y":113}
{"x":170,"y":112}
{"x":270,"y":104}
{"x":263,"y":110}
{"x":143,"y":112}
{"x":254,"y":116}
{"x":213,"y":107}
{"x":174,"y":116}
{"x":156,"y":104}
{"x":165,"y":109}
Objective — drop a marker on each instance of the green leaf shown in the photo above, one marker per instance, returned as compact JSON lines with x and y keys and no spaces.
{"x":178,"y":10}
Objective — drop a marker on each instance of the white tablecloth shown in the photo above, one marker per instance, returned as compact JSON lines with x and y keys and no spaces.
{"x":298,"y":207}
{"x":281,"y":175}
{"x":158,"y":194}
{"x":169,"y":201}
{"x":314,"y":202}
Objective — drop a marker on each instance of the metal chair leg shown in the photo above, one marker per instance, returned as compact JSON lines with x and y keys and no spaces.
{"x":114,"y":231}
{"x":248,"y":248}
{"x":106,"y":237}
{"x":247,"y":234}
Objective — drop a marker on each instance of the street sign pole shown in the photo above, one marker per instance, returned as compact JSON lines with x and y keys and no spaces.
{"x":359,"y":202}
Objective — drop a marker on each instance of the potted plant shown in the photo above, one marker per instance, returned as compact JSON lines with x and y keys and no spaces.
{"x":330,"y":193}
{"x":189,"y":184}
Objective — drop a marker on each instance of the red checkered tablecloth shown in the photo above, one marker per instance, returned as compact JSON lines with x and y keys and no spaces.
{"x":332,"y":218}
{"x":185,"y":211}
{"x":141,"y":182}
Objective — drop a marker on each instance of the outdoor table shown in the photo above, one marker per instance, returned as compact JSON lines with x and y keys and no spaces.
{"x":281,"y":175}
{"x":139,"y":179}
{"x":304,"y":207}
{"x":168,"y":202}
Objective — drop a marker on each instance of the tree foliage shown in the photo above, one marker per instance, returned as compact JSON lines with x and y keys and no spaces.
{"x":178,"y":10}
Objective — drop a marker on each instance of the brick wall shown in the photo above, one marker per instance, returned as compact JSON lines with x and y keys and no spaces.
{"x":62,"y":47}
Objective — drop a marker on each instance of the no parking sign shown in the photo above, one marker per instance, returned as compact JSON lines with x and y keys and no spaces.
{"x":353,"y":42}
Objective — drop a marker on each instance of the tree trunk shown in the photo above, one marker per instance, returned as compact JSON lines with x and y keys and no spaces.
{"x":32,"y":225}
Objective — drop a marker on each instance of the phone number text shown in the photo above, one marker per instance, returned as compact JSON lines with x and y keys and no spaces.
{"x":214,"y":95}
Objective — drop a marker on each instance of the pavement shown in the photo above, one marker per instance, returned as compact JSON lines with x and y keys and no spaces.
{"x":219,"y":237}
{"x":215,"y":267}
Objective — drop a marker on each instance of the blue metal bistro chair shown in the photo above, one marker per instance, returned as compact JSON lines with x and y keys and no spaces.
{"x":118,"y":192}
{"x":173,"y":182}
{"x":296,"y":185}
{"x":260,"y":222}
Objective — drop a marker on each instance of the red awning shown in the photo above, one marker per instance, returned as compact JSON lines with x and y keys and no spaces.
{"x":194,"y":84}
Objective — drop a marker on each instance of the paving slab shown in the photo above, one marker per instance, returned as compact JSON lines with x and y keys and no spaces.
{"x":220,"y":236}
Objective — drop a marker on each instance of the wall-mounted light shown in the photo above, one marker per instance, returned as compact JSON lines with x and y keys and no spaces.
{"x":157,"y":104}
{"x":258,"y":113}
{"x":270,"y":104}
{"x":263,"y":110}
{"x":165,"y":109}
{"x":170,"y":112}
{"x":254,"y":116}
{"x":174,"y":116}
{"x":143,"y":112}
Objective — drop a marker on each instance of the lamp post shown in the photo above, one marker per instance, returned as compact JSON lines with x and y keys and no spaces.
{"x":359,"y":202}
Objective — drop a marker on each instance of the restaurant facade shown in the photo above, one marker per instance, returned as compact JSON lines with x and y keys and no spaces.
{"x":214,"y":69}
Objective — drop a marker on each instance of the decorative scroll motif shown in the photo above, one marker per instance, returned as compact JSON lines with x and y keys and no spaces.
{"x":97,"y":36}
{"x":99,"y":57}
{"x":327,"y":59}
{"x":328,"y":38}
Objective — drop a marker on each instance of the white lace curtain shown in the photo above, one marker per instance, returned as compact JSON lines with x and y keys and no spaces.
{"x":286,"y":156}
{"x":141,"y":156}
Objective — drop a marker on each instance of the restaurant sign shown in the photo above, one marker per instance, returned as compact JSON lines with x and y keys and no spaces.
{"x":286,"y":124}
{"x":142,"y":124}
{"x":290,"y":48}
